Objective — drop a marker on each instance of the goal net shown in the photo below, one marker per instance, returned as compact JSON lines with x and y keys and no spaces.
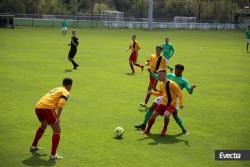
{"x":110,"y":15}
{"x":183,"y":19}
{"x":7,"y":21}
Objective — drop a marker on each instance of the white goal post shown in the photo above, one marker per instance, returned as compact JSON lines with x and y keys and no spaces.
{"x":111,"y":15}
{"x":184,"y":19}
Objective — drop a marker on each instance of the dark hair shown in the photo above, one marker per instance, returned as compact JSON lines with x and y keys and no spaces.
{"x":158,"y":47}
{"x":67,"y":81}
{"x":179,"y":66}
{"x":134,"y":35}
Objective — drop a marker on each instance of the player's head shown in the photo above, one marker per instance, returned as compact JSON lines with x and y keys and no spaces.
{"x":158,"y":50}
{"x":162,"y":74}
{"x":133,"y":37}
{"x":67,"y":83}
{"x":167,"y":39}
{"x":179,"y":68}
{"x":74,"y":33}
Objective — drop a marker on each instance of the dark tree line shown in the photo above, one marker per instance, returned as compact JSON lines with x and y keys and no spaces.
{"x":202,"y":9}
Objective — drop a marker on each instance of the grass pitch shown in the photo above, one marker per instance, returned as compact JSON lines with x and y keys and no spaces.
{"x":104,"y":96}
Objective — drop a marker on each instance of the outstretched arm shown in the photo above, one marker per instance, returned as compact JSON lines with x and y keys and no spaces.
{"x":189,"y":88}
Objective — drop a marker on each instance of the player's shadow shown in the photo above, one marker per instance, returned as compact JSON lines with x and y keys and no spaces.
{"x":35,"y":160}
{"x":168,"y":139}
{"x":68,"y":70}
{"x":129,"y":73}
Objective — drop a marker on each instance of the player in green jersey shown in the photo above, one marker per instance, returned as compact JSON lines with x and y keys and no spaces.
{"x":64,"y":27}
{"x":168,"y":51}
{"x":182,"y":83}
{"x":248,"y":37}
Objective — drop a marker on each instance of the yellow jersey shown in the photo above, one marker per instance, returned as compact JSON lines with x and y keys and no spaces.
{"x":57,"y":97}
{"x":170,"y":91}
{"x":134,"y":46}
{"x":156,"y":62}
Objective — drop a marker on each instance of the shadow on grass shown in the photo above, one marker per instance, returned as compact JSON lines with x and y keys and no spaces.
{"x":168,"y":139}
{"x":68,"y":70}
{"x":118,"y":138}
{"x":35,"y":160}
{"x":129,"y":73}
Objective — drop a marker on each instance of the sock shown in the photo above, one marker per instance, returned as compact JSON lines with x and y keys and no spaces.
{"x":138,"y":65}
{"x":166,"y":121}
{"x":165,"y":127}
{"x":55,"y":142}
{"x":132,"y":67}
{"x":39,"y":134}
{"x":147,"y":98}
{"x":74,"y":63}
{"x":179,"y":122}
{"x":147,"y":116}
{"x":151,"y":121}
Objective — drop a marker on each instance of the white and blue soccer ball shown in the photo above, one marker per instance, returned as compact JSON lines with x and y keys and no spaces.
{"x":119,"y":131}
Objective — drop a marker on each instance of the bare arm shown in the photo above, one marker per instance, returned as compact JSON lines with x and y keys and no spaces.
{"x":58,"y":113}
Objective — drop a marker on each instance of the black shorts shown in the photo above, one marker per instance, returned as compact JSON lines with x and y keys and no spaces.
{"x":72,"y":53}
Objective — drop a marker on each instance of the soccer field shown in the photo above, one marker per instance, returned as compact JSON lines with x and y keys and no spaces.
{"x":104,"y":96}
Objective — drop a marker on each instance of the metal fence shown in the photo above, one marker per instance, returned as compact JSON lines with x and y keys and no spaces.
{"x":84,"y":21}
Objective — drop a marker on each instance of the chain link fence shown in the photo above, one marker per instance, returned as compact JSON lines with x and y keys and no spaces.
{"x":96,"y":21}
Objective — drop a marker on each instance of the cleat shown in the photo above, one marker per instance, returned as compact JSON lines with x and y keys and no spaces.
{"x":55,"y":157}
{"x":142,"y":105}
{"x":142,"y":108}
{"x":146,"y":132}
{"x":140,"y":126}
{"x":35,"y":148}
{"x":75,"y":68}
{"x":185,"y":132}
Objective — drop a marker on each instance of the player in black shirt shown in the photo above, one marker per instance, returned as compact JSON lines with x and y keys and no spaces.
{"x":73,"y":49}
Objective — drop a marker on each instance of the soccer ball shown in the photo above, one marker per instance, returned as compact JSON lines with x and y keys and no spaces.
{"x":119,"y":132}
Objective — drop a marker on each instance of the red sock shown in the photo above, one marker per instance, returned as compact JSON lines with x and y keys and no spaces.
{"x":165,"y":127}
{"x":138,"y":65}
{"x":132,"y":67}
{"x":147,"y":98}
{"x":151,"y":121}
{"x":39,"y":134}
{"x":55,"y":142}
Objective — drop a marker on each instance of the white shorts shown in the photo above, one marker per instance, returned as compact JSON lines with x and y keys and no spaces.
{"x":248,"y":40}
{"x":166,"y":61}
{"x":177,"y":103}
{"x":64,"y":29}
{"x":159,"y":99}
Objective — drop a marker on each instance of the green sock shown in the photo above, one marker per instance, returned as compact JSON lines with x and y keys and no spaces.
{"x":179,"y":122}
{"x":147,"y":116}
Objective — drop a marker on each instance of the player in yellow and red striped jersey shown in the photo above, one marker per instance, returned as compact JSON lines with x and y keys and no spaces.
{"x":48,"y":110}
{"x":170,"y":92}
{"x":155,"y":61}
{"x":134,"y":47}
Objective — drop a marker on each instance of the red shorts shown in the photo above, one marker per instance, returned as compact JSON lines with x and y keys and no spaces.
{"x":133,"y":57}
{"x":153,"y":81}
{"x":161,"y":109}
{"x":47,"y":115}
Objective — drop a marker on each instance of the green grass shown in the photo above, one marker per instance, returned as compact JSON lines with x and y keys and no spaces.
{"x":34,"y":60}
